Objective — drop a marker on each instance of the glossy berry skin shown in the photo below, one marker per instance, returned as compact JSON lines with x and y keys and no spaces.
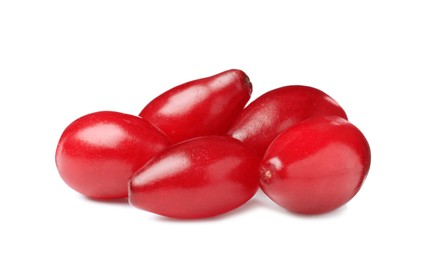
{"x":197,"y":178}
{"x":315,"y":166}
{"x":277,"y":110}
{"x":97,"y":153}
{"x":201,"y":107}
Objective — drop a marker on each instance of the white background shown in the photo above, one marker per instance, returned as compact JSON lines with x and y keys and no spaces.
{"x":60,"y":60}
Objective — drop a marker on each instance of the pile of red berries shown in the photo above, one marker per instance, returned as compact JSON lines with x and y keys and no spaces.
{"x":196,"y":151}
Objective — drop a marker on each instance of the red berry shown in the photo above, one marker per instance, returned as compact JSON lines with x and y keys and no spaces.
{"x":204,"y":106}
{"x":98,"y":153}
{"x":315,"y":166}
{"x":197,"y":178}
{"x":277,"y":110}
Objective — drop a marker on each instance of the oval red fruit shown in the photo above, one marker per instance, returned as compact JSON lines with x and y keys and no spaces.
{"x":98,"y":153}
{"x":200,"y":107}
{"x":197,"y":178}
{"x":315,"y":166}
{"x":277,"y":110}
